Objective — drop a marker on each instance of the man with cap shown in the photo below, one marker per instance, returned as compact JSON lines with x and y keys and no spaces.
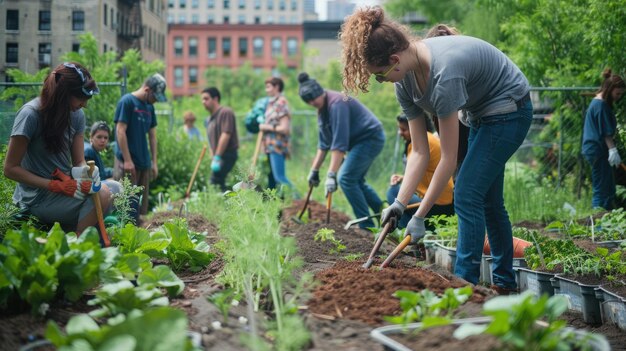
{"x":134,"y":118}
{"x":354,"y":136}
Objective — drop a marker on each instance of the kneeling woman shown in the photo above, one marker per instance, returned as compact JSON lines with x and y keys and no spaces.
{"x":46,"y":156}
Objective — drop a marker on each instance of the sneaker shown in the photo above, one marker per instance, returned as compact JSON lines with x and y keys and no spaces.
{"x":504,"y":291}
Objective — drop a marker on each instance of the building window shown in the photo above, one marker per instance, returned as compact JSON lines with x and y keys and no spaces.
{"x":113,"y":23}
{"x":257,"y":44}
{"x":282,"y":19}
{"x":178,"y":46}
{"x":104,"y":49}
{"x":211,"y":4}
{"x":257,"y":19}
{"x":182,"y":4}
{"x":13,"y":20}
{"x":75,"y":47}
{"x":226,"y":47}
{"x":45,"y":49}
{"x":226,"y":19}
{"x":78,"y":20}
{"x":178,"y":76}
{"x":282,"y":5}
{"x":195,"y":18}
{"x":277,"y":47}
{"x":171,"y":3}
{"x":193,"y":76}
{"x":242,"y":4}
{"x":44,"y":20}
{"x":211,"y":18}
{"x":243,"y":47}
{"x":194,"y":4}
{"x":270,"y":19}
{"x":170,"y":18}
{"x":212,"y":48}
{"x":193,"y":47}
{"x":226,"y":4}
{"x":257,"y":4}
{"x":241,"y":19}
{"x":106,"y":14}
{"x":270,"y":4}
{"x":182,"y":18}
{"x":294,"y":5}
{"x":12,"y":50}
{"x":292,"y":47}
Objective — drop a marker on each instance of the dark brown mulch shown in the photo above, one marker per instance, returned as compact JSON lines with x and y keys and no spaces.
{"x":195,"y":221}
{"x":350,"y":291}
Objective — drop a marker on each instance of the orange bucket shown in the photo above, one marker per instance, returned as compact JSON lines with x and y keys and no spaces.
{"x":518,"y":247}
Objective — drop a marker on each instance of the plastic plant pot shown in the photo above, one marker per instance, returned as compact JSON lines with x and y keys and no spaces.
{"x":612,"y":307}
{"x":535,"y":281}
{"x":519,"y":245}
{"x":581,"y":298}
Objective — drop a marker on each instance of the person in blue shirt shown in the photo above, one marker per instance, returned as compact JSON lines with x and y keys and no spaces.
{"x":134,"y":119}
{"x":598,"y":140}
{"x":354,"y":136}
{"x":192,"y":132}
{"x":98,"y":141}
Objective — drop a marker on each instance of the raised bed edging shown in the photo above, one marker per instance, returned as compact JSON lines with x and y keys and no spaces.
{"x":612,"y":307}
{"x":537,"y":282}
{"x":581,"y":298}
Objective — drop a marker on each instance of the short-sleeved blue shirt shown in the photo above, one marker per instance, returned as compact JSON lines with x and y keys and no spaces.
{"x":600,"y":122}
{"x":344,"y":123}
{"x":140,"y":118}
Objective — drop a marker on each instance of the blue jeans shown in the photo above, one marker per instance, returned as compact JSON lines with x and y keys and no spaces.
{"x":351,"y":177}
{"x":277,"y":165}
{"x":478,"y":196}
{"x":602,"y":181}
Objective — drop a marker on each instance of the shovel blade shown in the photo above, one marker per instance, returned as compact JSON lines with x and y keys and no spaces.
{"x":368,"y":264}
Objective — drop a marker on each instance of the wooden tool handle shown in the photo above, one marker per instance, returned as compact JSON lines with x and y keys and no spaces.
{"x":396,"y":251}
{"x":98,"y":205}
{"x":329,"y":201}
{"x":379,"y":242}
{"x":195,"y":171}
{"x":306,"y":202}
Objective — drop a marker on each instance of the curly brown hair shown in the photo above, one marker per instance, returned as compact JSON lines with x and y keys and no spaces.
{"x":367,"y":37}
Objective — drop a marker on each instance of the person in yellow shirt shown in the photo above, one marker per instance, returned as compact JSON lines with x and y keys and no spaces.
{"x":444,"y":204}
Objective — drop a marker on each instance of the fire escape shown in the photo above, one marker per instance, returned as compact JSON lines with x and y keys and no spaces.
{"x":129,"y":26}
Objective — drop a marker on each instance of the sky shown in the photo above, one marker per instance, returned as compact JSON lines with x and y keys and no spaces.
{"x":320,"y":6}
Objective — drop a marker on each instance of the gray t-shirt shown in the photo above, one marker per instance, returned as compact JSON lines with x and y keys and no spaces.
{"x":465,"y":73}
{"x":38,"y":160}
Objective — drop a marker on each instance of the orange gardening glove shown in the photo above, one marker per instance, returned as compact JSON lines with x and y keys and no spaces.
{"x":69,"y":187}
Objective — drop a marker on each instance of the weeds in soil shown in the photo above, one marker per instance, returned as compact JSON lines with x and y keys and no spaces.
{"x":122,"y":201}
{"x":353,"y":257}
{"x":223,"y":300}
{"x":326,"y":234}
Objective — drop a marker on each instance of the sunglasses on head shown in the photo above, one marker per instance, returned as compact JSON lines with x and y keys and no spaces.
{"x":87,"y":92}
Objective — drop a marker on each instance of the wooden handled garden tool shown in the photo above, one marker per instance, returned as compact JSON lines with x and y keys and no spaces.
{"x":195,"y":171}
{"x":306,"y":204}
{"x":363,"y":219}
{"x":405,"y":242}
{"x":379,"y":242}
{"x":329,"y":202}
{"x":98,"y":205}
{"x":257,"y":150}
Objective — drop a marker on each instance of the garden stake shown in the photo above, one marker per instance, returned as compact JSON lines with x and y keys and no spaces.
{"x":98,"y":205}
{"x":379,"y":242}
{"x":406,"y":241}
{"x":329,"y":201}
{"x":306,"y":204}
{"x":362,"y":219}
{"x":195,"y":171}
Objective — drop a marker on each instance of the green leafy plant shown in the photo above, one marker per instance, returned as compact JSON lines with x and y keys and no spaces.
{"x":223,"y":301}
{"x":515,"y":322}
{"x":122,"y":201}
{"x":353,"y":257}
{"x":186,"y":249}
{"x":427,"y":307}
{"x":612,"y":226}
{"x":446,"y":229}
{"x":123,"y":297}
{"x":36,"y":267}
{"x":158,"y":329}
{"x":325,"y":234}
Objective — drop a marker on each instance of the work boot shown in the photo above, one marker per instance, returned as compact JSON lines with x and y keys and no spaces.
{"x":504,"y":291}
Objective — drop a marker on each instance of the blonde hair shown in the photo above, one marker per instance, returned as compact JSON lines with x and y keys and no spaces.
{"x":189,"y":116}
{"x":367,"y":37}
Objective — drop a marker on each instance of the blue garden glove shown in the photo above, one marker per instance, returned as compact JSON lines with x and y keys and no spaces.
{"x":392,"y":213}
{"x":216,"y":164}
{"x":314,"y":178}
{"x":81,"y":173}
{"x":331,"y":182}
{"x":416,"y":229}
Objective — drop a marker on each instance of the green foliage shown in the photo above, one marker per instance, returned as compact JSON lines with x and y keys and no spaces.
{"x":353,"y":257}
{"x":159,"y":329}
{"x":446,"y":229}
{"x":612,"y":226}
{"x":326,"y":234}
{"x":123,"y":297}
{"x":36,"y":267}
{"x":122,"y":201}
{"x":426,"y":307}
{"x":514,"y":322}
{"x":7,"y":209}
{"x":223,"y":300}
